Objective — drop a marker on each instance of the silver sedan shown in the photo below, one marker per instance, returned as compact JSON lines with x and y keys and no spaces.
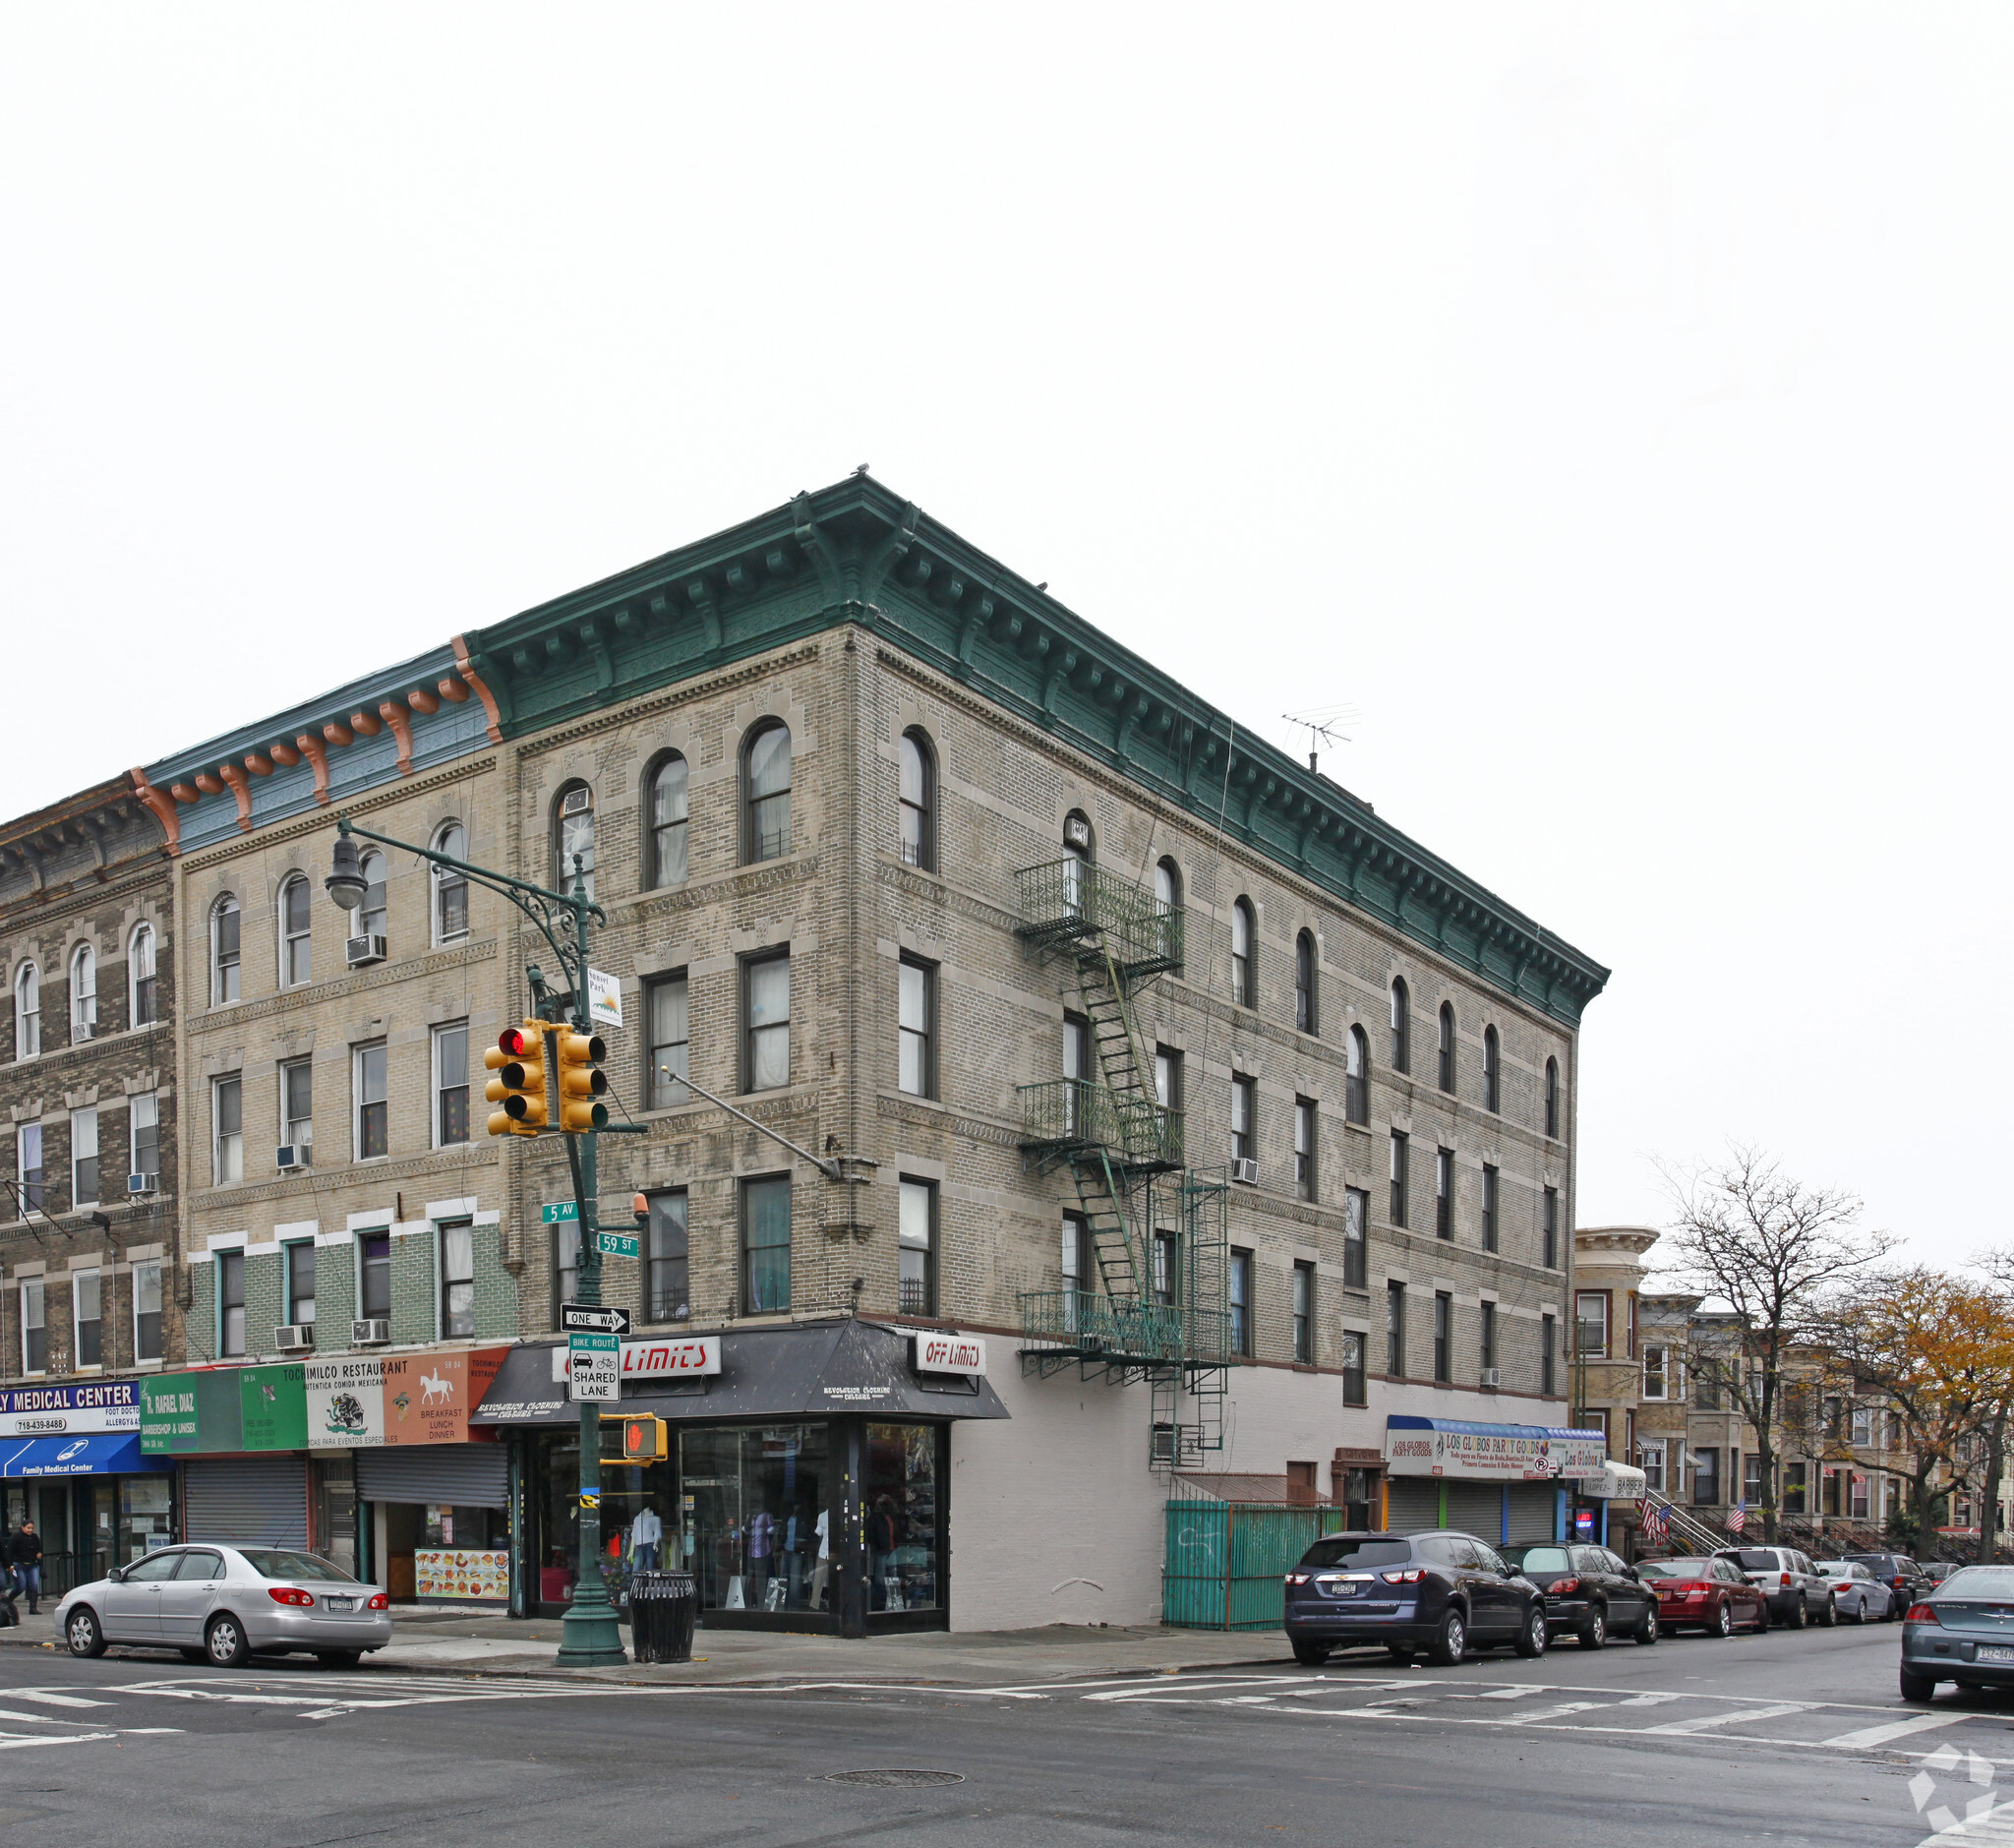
{"x":221,"y":1604}
{"x":1857,"y":1594}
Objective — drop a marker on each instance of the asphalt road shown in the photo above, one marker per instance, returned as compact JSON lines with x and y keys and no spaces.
{"x":1787,"y":1739}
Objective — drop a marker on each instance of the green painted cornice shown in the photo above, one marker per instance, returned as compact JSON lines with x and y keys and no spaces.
{"x":855,"y":552}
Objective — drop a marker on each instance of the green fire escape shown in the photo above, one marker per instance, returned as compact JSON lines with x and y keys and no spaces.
{"x":1152,"y":1297}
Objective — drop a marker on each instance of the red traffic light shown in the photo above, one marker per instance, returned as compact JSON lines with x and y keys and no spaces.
{"x":517,"y":1043}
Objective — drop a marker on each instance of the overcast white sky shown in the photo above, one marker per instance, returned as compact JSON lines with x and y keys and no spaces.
{"x":1608,"y":405}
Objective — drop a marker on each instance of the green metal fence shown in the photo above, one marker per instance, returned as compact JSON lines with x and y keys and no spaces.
{"x":1089,"y":1323}
{"x":1081,"y":1112}
{"x":1227,"y":1561}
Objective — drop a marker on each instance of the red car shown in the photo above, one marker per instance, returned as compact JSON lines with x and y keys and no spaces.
{"x":1709,"y":1592}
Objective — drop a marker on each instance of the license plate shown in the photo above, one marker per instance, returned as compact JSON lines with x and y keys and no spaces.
{"x":1343,"y":1588}
{"x":341,"y":1604}
{"x":1987,"y":1653}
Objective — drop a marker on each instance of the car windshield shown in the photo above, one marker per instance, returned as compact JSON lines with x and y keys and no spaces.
{"x":1348,"y":1550}
{"x":1671,"y":1569}
{"x":1978,"y":1582}
{"x":1836,"y":1568}
{"x":1756,"y":1559}
{"x":295,"y":1566}
{"x":1539,"y":1557}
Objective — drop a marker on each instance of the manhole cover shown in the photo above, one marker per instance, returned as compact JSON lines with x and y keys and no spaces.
{"x":904,"y":1778}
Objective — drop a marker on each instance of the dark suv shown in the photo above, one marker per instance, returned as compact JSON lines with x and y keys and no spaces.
{"x":1589,"y":1592}
{"x":1441,"y":1592}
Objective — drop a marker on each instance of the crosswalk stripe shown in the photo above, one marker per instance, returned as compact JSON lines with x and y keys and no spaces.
{"x":1895,"y":1729}
{"x":36,"y":1719}
{"x":13,"y":1742}
{"x":1741,"y":1717}
{"x":1528,"y":1718}
{"x":49,"y":1699}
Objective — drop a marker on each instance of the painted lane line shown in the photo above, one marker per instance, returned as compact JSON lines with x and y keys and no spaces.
{"x":49,"y":1699}
{"x":37,"y":1720}
{"x":1548,"y":1713}
{"x":1501,"y":1693}
{"x":10,"y":1742}
{"x":1678,"y":1728}
{"x":1651,"y":1699}
{"x":1244,"y":1699}
{"x":1896,"y":1729}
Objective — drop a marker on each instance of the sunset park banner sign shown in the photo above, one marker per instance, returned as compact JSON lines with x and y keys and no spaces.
{"x":1459,"y":1450}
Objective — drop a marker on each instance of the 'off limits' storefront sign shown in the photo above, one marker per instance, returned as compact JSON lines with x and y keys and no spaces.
{"x":56,"y":1410}
{"x":1490,"y":1452}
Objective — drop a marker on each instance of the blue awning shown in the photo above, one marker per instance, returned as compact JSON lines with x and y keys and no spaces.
{"x":104,"y":1453}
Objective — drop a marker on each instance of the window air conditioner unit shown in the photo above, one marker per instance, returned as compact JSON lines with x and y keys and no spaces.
{"x":371,"y":1332}
{"x":360,"y":952}
{"x":576,"y":802}
{"x":294,"y":1337}
{"x":290,"y":1158}
{"x":141,"y":1183}
{"x":1246,"y":1169}
{"x":1492,"y":1377}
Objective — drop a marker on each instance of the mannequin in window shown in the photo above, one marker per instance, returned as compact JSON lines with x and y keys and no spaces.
{"x":822,"y":1527}
{"x":881,"y":1539}
{"x":646,"y":1535}
{"x":762,"y":1544}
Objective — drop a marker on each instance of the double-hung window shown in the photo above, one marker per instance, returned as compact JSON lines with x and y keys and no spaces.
{"x":1244,"y":947}
{"x":300,"y":1281}
{"x":1650,"y":1460}
{"x":450,"y":886}
{"x":1402,"y":1164}
{"x":1547,"y":1327}
{"x":1443,"y":1337}
{"x":573,"y":840}
{"x":1486,"y":1336}
{"x":1444,"y":1193}
{"x":1395,"y":1330}
{"x":1356,"y":1215}
{"x":83,"y":993}
{"x":296,"y":934}
{"x":84,"y":1159}
{"x":1241,"y":1302}
{"x":230,"y":1302}
{"x":1591,"y":1324}
{"x":1357,"y":1094}
{"x":916,"y":1221}
{"x":1304,"y":1148}
{"x":915,"y":1030}
{"x":1244,"y":1112}
{"x":670,"y":813}
{"x":1549,"y":1228}
{"x":140,"y":973}
{"x":1304,"y":1313}
{"x":670,"y":1041}
{"x":1352,"y":1345}
{"x":766,"y":1246}
{"x":766,"y":1016}
{"x":146,"y":1310}
{"x":374,"y":1275}
{"x":35,"y":1333}
{"x":1706,"y":1479}
{"x":766,"y":769}
{"x":224,"y":959}
{"x":143,"y":1123}
{"x":372,"y":1131}
{"x":227,"y":1131}
{"x":87,"y":1310}
{"x":297,"y":1109}
{"x":1490,"y":1207}
{"x":27,"y":1167}
{"x":667,"y":1283}
{"x":450,"y":1083}
{"x":1654,"y":1375}
{"x":457,"y":1282}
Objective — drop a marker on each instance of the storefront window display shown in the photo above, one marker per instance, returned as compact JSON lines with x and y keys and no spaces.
{"x":900,"y":1505}
{"x":753,"y":1517}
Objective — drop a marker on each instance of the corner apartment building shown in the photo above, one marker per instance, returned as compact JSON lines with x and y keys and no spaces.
{"x":88,"y":1223}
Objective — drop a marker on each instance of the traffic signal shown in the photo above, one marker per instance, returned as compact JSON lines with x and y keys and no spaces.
{"x":583,"y":1082}
{"x":520,"y":1086}
{"x":640,"y":1437}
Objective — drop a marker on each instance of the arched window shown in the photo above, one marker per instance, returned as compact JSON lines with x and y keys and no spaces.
{"x":224,"y":972}
{"x":1445,"y":1074}
{"x":84,"y":992}
{"x":1493,"y":1069}
{"x":1304,"y":983}
{"x":27,"y":1011}
{"x":1076,"y":846}
{"x":1357,"y":1078}
{"x":671,"y":789}
{"x":451,"y":888}
{"x":296,"y":934}
{"x":766,"y":777}
{"x":1167,"y":907}
{"x":574,"y":839}
{"x":1553,"y":1098}
{"x":1244,"y":934}
{"x":140,"y":974}
{"x":1401,"y":1028}
{"x":368,"y":917}
{"x":1167,"y":884}
{"x":917,"y":798}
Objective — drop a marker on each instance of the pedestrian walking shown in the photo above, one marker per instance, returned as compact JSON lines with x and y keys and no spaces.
{"x":25,"y":1555}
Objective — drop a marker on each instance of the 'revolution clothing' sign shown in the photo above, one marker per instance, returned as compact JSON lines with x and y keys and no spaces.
{"x":54,"y":1410}
{"x":1490,"y":1452}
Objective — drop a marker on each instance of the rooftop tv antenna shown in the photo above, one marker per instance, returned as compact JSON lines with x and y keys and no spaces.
{"x":1323,"y":726}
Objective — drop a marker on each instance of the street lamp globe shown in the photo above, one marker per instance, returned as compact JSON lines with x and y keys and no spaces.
{"x":345,"y":883}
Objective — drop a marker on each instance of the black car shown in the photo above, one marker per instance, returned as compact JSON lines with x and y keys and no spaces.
{"x":1897,"y":1571}
{"x":1589,"y":1592}
{"x":1441,"y":1592}
{"x":1963,"y":1630}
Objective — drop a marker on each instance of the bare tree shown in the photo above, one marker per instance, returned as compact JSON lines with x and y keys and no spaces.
{"x":1771,"y":1248}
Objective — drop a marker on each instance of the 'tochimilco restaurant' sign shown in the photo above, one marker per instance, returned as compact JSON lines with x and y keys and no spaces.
{"x":53,"y":1410}
{"x":1490,"y":1452}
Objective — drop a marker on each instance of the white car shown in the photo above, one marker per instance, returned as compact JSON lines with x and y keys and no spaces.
{"x":1857,"y":1593}
{"x":223,"y":1604}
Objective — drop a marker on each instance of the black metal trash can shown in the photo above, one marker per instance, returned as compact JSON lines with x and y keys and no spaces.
{"x":663,"y":1608}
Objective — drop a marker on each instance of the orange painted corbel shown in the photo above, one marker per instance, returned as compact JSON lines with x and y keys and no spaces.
{"x":284,"y":753}
{"x":316,"y":754}
{"x":396,"y":715}
{"x":259,"y":763}
{"x":161,"y":807}
{"x":483,"y":693}
{"x":420,"y":700}
{"x":454,"y":690}
{"x":184,"y":793}
{"x":242,"y":790}
{"x":208,"y":784}
{"x":339,"y":733}
{"x":364,"y":723}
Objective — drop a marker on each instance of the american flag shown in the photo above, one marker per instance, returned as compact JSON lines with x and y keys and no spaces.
{"x":1655,"y":1526}
{"x":1738,"y":1518}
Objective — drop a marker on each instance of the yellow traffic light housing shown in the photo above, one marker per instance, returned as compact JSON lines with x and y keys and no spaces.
{"x":640,"y":1437}
{"x":581,"y":1082}
{"x":519,"y":1085}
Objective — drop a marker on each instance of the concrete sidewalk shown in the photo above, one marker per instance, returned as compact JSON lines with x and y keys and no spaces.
{"x":454,"y":1642}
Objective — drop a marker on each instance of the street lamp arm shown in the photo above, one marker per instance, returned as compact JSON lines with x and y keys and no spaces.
{"x":829,"y":1169}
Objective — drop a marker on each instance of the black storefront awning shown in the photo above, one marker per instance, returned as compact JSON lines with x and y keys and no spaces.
{"x":810,"y":1370}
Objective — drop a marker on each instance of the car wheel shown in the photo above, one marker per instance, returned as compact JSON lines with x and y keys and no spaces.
{"x":224,"y":1643}
{"x":82,"y":1632}
{"x":1917,"y":1687}
{"x":1828,"y":1615}
{"x":1723,"y":1620}
{"x":1534,"y":1636}
{"x":1794,"y":1618}
{"x":1451,"y":1644}
{"x":1595,"y":1632}
{"x":349,"y":1658}
{"x":1649,"y":1630}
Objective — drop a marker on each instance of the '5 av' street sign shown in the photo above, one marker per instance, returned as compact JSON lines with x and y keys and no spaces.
{"x":594,"y":1320}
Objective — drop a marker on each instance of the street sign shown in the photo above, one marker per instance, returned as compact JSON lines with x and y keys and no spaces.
{"x":596,"y":1369}
{"x":560,"y":1210}
{"x":595,"y":1319}
{"x":604,"y":998}
{"x":619,"y":1244}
